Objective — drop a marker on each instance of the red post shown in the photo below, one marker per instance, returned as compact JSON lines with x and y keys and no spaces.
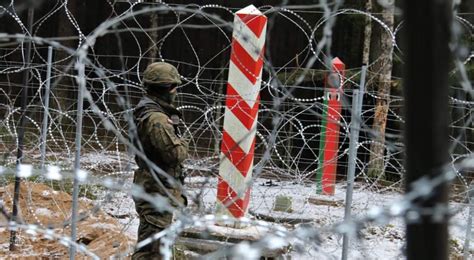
{"x":329,"y":141}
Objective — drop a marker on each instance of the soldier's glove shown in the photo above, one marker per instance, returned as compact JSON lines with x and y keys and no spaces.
{"x":174,"y":120}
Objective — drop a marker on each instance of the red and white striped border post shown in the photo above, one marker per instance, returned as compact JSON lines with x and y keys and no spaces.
{"x":240,"y":119}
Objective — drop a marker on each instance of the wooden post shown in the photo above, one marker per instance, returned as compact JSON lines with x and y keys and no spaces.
{"x":329,"y":141}
{"x":240,"y":118}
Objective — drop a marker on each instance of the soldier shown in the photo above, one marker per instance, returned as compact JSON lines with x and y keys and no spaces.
{"x":157,"y":119}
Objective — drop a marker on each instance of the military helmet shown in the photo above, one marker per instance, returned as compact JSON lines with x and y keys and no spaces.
{"x":161,"y":74}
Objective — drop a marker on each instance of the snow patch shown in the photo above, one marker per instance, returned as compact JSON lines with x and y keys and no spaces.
{"x":43,"y":212}
{"x":104,"y":226}
{"x":46,"y":193}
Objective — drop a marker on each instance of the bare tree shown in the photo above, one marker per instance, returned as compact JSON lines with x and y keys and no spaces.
{"x":382,"y":55}
{"x":367,"y":33}
{"x":154,"y":36}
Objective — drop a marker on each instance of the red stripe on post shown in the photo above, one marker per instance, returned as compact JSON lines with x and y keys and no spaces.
{"x":256,"y":23}
{"x":228,"y":197}
{"x":241,"y":160}
{"x":247,"y":65}
{"x":240,"y":108}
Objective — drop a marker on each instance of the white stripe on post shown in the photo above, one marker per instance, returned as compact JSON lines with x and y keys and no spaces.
{"x":240,"y":121}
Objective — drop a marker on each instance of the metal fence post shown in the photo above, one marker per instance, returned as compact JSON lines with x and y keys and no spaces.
{"x":77,"y":162}
{"x":44,"y":132}
{"x":21,"y":128}
{"x":357,"y":99}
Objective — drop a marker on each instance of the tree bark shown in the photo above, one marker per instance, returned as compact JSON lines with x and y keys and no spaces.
{"x":383,"y":68}
{"x":154,"y":37}
{"x":367,"y":33}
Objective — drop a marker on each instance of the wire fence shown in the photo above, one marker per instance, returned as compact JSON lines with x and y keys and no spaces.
{"x":287,"y":149}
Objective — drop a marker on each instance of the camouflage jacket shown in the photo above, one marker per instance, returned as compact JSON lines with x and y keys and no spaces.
{"x":157,"y":133}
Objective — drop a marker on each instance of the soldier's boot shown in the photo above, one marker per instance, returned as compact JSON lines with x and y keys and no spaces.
{"x":150,"y":225}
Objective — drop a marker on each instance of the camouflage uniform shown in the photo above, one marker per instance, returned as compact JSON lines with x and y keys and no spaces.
{"x":156,"y":119}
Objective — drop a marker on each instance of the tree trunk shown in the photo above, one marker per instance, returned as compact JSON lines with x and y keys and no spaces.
{"x":383,"y":68}
{"x":367,"y":34}
{"x":154,"y":37}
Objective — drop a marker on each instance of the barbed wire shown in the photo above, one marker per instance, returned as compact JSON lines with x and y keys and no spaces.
{"x":287,"y":138}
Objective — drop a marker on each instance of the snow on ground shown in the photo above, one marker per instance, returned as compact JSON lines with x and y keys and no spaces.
{"x":121,"y":207}
{"x":43,"y":212}
{"x":374,"y":242}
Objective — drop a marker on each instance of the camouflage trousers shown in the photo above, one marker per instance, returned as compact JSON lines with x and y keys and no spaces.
{"x":152,"y":220}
